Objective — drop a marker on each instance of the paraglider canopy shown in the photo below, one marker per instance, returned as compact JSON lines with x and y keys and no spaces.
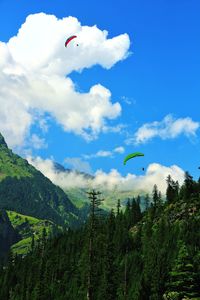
{"x":69,"y":40}
{"x":131,"y":155}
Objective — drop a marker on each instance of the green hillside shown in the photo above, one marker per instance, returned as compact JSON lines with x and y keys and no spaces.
{"x":77,"y":196}
{"x":13,"y":165}
{"x":27,"y":227}
{"x":27,"y":191}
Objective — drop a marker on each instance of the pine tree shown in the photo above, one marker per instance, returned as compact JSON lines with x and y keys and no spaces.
{"x":172,"y":190}
{"x":147,"y":201}
{"x":188,"y":188}
{"x":183,"y":280}
{"x":95,"y":202}
{"x":155,"y":196}
{"x":118,"y":207}
{"x":128,"y":214}
{"x":135,"y":211}
{"x":110,"y":265}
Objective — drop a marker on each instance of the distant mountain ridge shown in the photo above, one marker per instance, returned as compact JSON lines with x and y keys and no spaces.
{"x":79,"y":196}
{"x":60,"y":168}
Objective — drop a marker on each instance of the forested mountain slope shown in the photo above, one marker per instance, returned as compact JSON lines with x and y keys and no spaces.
{"x":130,"y":255}
{"x":26,"y":190}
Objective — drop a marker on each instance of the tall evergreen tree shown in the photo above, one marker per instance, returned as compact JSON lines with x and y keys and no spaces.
{"x":147,"y":201}
{"x":118,"y":207}
{"x":172,"y":190}
{"x":183,"y":281}
{"x":95,"y":202}
{"x":188,"y":188}
{"x":135,"y":211}
{"x":155,"y":196}
{"x":110,"y":265}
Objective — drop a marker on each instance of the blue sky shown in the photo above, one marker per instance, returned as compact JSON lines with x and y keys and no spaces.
{"x":156,"y":86}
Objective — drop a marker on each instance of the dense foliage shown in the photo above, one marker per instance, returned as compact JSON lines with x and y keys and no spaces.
{"x":130,"y":255}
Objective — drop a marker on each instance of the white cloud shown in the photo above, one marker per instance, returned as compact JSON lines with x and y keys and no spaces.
{"x":128,"y":100}
{"x":168,"y":128}
{"x":155,"y":174}
{"x":42,"y":121}
{"x":119,"y":128}
{"x":119,"y":150}
{"x":63,"y":179}
{"x":105,"y":153}
{"x":34,"y":70}
{"x":37,"y":142}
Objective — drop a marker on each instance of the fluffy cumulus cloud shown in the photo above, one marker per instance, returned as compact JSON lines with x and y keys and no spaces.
{"x":34,"y":74}
{"x":155,"y":174}
{"x":63,"y":179}
{"x":168,"y":128}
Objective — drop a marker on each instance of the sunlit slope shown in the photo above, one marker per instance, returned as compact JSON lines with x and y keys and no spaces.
{"x":30,"y":228}
{"x":27,"y":191}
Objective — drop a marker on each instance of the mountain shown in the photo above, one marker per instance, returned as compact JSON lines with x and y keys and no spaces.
{"x":27,"y":191}
{"x":79,"y":196}
{"x":60,"y":168}
{"x":133,"y":255}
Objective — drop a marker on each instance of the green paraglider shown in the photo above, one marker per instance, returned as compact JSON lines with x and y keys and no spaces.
{"x":132,"y":155}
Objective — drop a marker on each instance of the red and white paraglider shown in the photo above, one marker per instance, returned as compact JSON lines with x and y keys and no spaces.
{"x":70,"y":39}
